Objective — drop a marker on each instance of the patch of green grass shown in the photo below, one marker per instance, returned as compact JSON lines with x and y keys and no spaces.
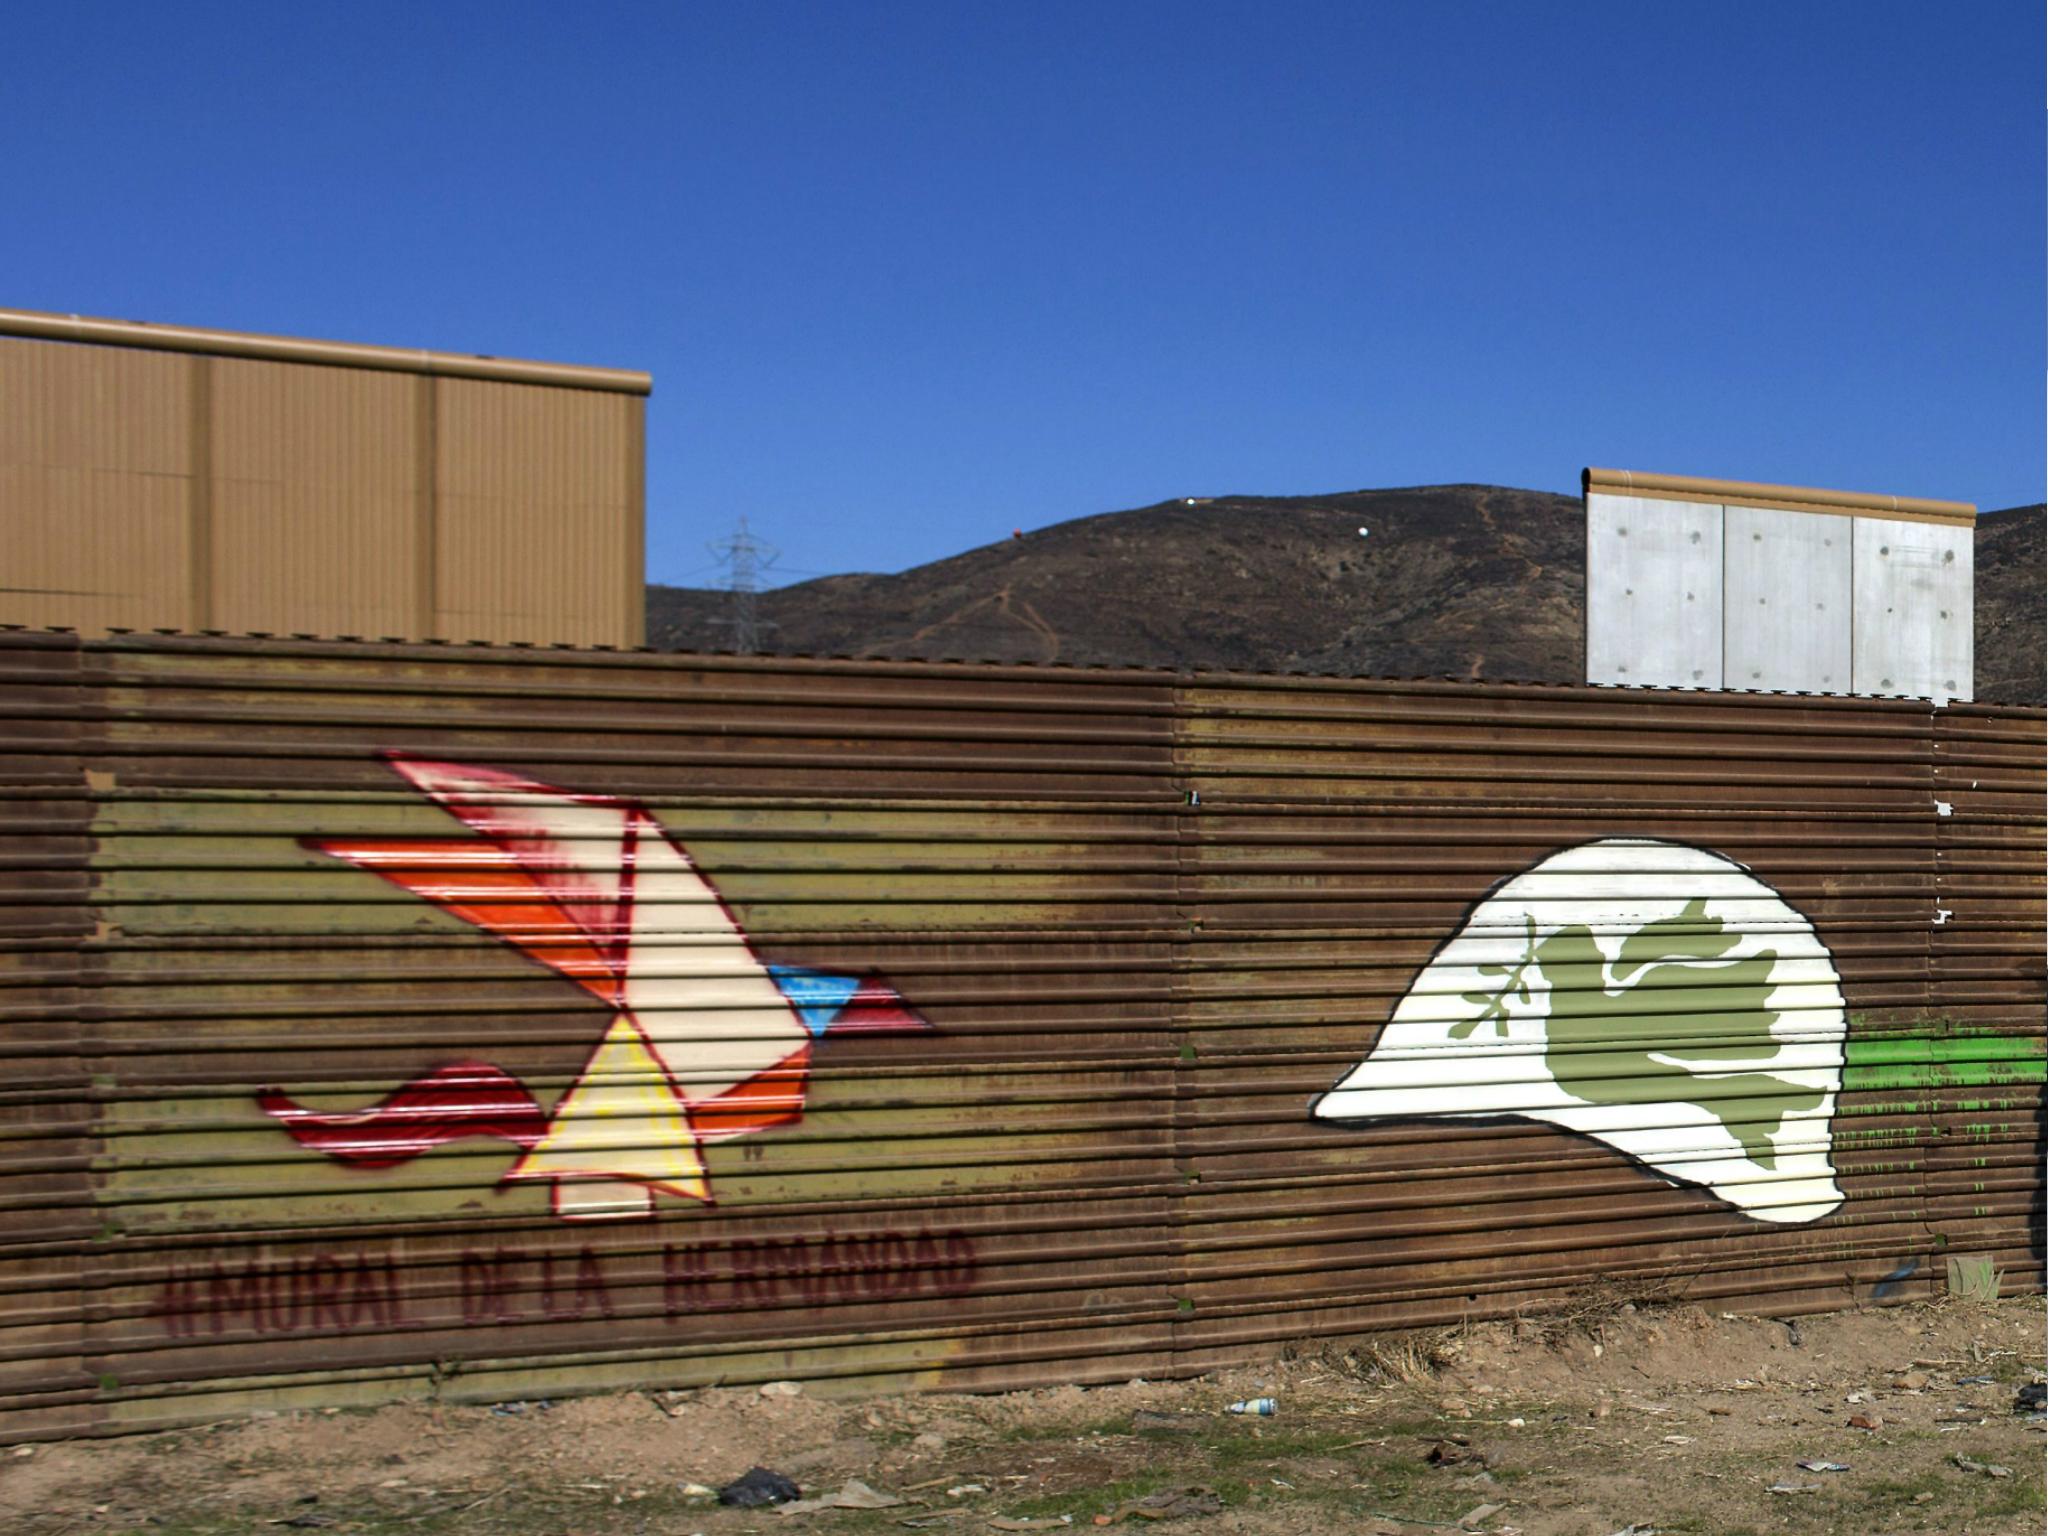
{"x":1242,"y":1460}
{"x":518,"y":1511}
{"x":1056,"y":1434}
{"x":2020,"y":1496}
{"x":1901,"y":1490}
{"x":891,"y":1436}
{"x":1082,"y":1502}
{"x":1228,"y":1450}
{"x":1957,"y":1499}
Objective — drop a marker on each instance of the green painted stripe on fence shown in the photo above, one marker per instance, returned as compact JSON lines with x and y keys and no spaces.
{"x":1963,"y":1061}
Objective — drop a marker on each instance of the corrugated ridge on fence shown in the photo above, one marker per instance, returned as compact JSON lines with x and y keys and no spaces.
{"x":1150,"y":1015}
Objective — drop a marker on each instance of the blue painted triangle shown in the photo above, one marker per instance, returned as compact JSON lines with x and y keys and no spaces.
{"x":817,"y":996}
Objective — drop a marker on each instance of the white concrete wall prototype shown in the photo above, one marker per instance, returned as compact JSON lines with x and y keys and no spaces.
{"x":1786,"y":623}
{"x":1915,"y":584}
{"x":1653,"y":592}
{"x":1696,"y":594}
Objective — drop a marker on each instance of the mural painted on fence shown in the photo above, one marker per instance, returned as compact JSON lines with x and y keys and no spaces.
{"x":705,"y":1041}
{"x":1655,"y":997}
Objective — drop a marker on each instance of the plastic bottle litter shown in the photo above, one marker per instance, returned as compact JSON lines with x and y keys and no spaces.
{"x":1264,"y":1407}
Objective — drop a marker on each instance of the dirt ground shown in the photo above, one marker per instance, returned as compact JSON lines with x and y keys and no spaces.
{"x":1669,"y":1419}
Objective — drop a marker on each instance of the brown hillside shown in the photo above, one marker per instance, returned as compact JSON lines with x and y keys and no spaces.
{"x":2011,"y":555}
{"x":1452,"y":580}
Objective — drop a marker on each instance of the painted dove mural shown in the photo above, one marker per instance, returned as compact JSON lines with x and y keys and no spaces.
{"x":704,"y":1042}
{"x":1653,"y":996}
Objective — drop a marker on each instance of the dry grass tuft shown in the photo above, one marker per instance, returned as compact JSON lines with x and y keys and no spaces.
{"x":1402,"y":1359}
{"x":1415,"y":1357}
{"x":1591,"y":1308}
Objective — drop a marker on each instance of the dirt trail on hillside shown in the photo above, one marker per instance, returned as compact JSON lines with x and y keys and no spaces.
{"x":1673,"y":1420}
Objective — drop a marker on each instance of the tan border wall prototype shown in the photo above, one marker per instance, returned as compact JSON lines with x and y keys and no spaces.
{"x":1793,"y":498}
{"x":162,"y":477}
{"x":334,"y":354}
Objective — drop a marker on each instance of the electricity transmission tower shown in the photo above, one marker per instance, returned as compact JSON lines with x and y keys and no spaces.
{"x":744,"y":558}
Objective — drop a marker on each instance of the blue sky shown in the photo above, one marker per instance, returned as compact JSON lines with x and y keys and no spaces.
{"x":909,"y":276}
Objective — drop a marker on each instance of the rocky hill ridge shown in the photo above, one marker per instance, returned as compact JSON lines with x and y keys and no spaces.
{"x":1475,"y":581}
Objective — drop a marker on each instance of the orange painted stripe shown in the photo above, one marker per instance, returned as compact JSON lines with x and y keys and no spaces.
{"x":487,"y":886}
{"x":770,"y":1098}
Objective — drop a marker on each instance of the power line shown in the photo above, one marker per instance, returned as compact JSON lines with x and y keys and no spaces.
{"x":744,"y":558}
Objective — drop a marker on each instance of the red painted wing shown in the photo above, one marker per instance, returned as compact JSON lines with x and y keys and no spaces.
{"x":466,"y":1098}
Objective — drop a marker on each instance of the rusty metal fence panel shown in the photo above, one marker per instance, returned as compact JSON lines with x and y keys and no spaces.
{"x":1979,"y":1072}
{"x":401,"y":1021}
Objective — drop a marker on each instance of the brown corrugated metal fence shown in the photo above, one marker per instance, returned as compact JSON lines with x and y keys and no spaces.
{"x":481,"y":1023}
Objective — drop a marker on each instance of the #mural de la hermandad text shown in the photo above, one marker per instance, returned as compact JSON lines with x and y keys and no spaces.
{"x":1652,"y":996}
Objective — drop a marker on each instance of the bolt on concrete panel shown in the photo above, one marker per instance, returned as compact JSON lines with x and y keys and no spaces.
{"x":1787,"y":617}
{"x":1913,"y":595}
{"x":1653,"y":592}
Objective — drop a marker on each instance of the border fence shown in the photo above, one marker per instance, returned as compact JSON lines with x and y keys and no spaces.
{"x":390,"y":1021}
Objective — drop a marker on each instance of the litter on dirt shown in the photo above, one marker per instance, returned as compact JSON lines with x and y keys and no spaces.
{"x":1811,"y":1465}
{"x":1355,"y":1455}
{"x":1167,"y":1504}
{"x":758,"y":1487}
{"x":1989,"y":1469}
{"x":853,"y":1494}
{"x":2031,"y":1398}
{"x":1795,"y":1488}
